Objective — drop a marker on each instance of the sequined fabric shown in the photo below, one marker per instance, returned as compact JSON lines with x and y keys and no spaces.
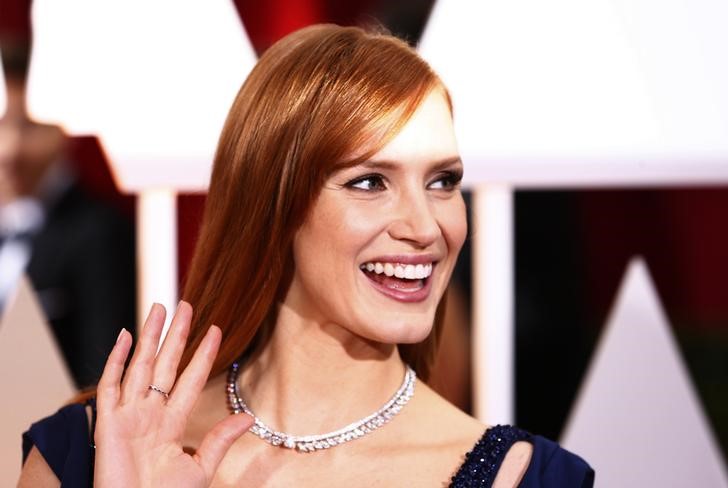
{"x":482,"y":463}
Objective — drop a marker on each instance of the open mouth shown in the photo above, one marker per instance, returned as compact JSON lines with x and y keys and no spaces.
{"x":403,"y":282}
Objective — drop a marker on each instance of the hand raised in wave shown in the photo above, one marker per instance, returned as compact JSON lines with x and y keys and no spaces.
{"x":139,"y":429}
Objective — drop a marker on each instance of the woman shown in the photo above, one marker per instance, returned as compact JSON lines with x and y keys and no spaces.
{"x":332,"y":226}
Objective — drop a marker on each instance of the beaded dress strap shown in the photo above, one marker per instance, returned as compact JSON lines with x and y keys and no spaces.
{"x":482,"y":463}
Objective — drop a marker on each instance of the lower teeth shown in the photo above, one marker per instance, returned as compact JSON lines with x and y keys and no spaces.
{"x":396,"y":283}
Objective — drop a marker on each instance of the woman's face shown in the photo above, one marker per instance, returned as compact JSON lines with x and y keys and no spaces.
{"x":377,"y":249}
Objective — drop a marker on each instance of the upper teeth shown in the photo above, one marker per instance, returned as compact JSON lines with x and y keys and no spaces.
{"x":409,"y":271}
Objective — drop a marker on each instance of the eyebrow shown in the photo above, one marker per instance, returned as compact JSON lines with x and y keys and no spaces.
{"x":436,"y":166}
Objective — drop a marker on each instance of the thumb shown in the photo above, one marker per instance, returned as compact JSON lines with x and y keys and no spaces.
{"x":217,"y":442}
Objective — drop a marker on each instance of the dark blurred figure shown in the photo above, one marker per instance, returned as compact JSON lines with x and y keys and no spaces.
{"x":77,"y":251}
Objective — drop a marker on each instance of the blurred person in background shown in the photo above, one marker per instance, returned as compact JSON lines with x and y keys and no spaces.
{"x":77,"y":251}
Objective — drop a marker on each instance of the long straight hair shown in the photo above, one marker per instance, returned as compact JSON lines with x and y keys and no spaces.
{"x":322,"y":97}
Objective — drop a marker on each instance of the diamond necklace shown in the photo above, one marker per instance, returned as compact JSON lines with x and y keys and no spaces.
{"x":311,"y":443}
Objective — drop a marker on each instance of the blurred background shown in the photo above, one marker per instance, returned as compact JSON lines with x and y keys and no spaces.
{"x":79,"y":223}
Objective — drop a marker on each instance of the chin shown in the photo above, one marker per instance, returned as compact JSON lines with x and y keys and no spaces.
{"x":399,"y":331}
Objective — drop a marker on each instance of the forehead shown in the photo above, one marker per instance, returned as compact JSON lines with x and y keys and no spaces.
{"x":427,"y":135}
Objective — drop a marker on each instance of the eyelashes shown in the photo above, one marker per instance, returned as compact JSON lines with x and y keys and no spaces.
{"x":449,"y":180}
{"x":375,"y":182}
{"x":369,"y":183}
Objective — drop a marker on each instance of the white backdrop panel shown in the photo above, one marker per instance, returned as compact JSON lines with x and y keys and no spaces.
{"x":153,"y":79}
{"x":35,"y":380}
{"x":638,"y":419}
{"x":573,"y":92}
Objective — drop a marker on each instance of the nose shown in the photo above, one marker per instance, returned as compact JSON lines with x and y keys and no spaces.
{"x":414,"y":220}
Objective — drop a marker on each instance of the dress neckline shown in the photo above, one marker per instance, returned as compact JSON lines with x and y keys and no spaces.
{"x":483,"y":462}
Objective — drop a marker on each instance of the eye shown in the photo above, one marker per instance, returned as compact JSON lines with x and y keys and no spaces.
{"x":367,"y":183}
{"x":447,"y":180}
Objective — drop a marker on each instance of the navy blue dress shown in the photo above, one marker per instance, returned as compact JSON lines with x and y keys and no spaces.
{"x":66,"y":444}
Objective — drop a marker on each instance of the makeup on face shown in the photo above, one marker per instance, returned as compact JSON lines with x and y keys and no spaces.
{"x":377,"y":248}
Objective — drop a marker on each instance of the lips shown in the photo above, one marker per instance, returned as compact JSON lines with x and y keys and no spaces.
{"x":404,"y":282}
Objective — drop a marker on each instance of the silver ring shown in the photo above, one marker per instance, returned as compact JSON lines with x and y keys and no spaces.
{"x":160,"y":391}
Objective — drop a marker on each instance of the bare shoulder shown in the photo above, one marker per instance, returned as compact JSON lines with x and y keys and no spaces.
{"x":37,"y":473}
{"x":514,"y":465}
{"x":459,"y":433}
{"x":448,"y":423}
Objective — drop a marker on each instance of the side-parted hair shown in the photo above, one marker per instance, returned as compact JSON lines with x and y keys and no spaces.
{"x":321,"y":98}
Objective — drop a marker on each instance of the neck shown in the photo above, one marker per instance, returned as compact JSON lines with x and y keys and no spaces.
{"x":313,"y":378}
{"x":16,"y":108}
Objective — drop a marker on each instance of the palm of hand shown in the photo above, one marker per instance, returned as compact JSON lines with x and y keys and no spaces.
{"x":138,"y":433}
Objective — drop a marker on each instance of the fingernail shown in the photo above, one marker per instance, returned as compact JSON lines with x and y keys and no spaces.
{"x":121,"y":333}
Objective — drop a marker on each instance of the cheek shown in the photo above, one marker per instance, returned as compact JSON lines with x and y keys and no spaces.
{"x":340,"y":230}
{"x":454,"y":224}
{"x":328,"y":247}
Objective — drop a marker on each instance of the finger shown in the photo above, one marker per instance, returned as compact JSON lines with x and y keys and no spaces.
{"x":193,"y":378}
{"x":139,"y":375}
{"x":108,"y":390}
{"x":165,"y":367}
{"x":217,"y":442}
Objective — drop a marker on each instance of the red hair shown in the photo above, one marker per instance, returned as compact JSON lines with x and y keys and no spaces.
{"x":315,"y":98}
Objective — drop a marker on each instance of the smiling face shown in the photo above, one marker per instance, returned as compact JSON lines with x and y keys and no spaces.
{"x":379,"y":244}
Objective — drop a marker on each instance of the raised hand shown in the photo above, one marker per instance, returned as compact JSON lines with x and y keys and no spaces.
{"x":139,"y":429}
